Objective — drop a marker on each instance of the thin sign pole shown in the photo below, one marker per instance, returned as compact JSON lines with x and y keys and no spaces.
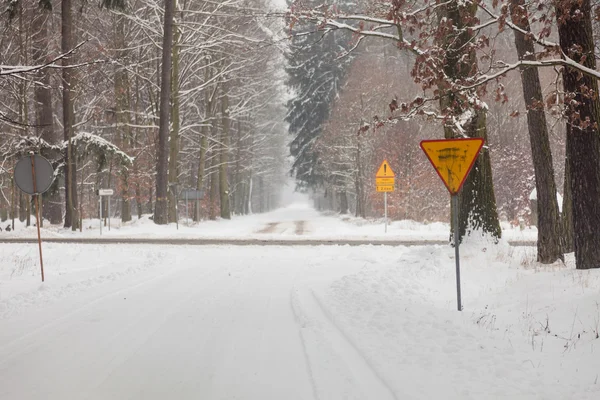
{"x":37,"y":214}
{"x":456,"y":252}
{"x":108,"y":213}
{"x":385,"y":208}
{"x":187,"y":206}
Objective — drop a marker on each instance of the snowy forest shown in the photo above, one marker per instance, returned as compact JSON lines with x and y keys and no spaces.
{"x":232,"y":97}
{"x":81,"y":84}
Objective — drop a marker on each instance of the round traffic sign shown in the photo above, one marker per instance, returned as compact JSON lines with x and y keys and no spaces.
{"x":26,"y":168}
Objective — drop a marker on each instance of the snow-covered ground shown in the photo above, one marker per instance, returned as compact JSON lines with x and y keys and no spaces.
{"x":278,"y":322}
{"x":296,"y":221}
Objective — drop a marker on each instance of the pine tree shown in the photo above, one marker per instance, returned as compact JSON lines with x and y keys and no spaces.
{"x":315,"y":75}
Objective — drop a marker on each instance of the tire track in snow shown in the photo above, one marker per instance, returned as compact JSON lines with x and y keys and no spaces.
{"x":301,"y":321}
{"x":300,"y":227}
{"x":270,"y":228}
{"x":337,"y":368}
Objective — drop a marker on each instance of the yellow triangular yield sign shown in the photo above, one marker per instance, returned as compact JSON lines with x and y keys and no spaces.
{"x":452,"y":159}
{"x":385,"y":171}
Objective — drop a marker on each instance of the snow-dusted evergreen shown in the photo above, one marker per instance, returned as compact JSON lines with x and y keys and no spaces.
{"x":316,"y":69}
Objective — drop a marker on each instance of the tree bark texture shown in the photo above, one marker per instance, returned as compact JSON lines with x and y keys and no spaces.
{"x":583,"y":137}
{"x":224,"y":153}
{"x":201,"y":168}
{"x":343,"y":202}
{"x":174,"y":140}
{"x":160,"y":208}
{"x":136,"y":142}
{"x":567,"y":212}
{"x":477,"y":200}
{"x":71,"y":215}
{"x":548,"y":222}
{"x":214,"y":189}
{"x":123,"y":107}
{"x":23,"y":198}
{"x":203,"y":150}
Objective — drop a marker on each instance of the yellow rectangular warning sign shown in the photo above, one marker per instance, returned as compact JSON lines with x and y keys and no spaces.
{"x":385,"y":181}
{"x":385,"y":188}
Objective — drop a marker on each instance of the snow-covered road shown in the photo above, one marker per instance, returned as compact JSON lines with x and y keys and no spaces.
{"x":210,"y":324}
{"x":154,"y":321}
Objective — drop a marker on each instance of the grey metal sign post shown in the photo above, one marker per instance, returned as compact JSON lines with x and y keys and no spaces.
{"x":34,"y":175}
{"x":385,"y":210}
{"x":454,"y":204}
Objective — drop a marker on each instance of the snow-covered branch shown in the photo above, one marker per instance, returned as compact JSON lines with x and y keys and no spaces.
{"x":19,"y":69}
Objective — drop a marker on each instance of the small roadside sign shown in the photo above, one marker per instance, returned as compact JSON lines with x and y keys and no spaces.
{"x":33,"y":174}
{"x":101,"y":194}
{"x":452,"y":159}
{"x":385,"y":182}
{"x":192,"y":194}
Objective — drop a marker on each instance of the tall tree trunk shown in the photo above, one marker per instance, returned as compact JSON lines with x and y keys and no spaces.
{"x":52,"y":210}
{"x":201,"y":168}
{"x":477,"y":200}
{"x":174,"y":140}
{"x":567,"y":212}
{"x":4,"y":207}
{"x":343,"y":202}
{"x":208,"y":105}
{"x":136,"y":141}
{"x":214,"y":189}
{"x":583,"y":137}
{"x":13,"y":208}
{"x":250,"y":193}
{"x":22,"y":206}
{"x":261,"y":195}
{"x":160,"y":208}
{"x":23,"y":115}
{"x":237,"y":194}
{"x":202,"y":159}
{"x":123,"y":108}
{"x":358,"y":183}
{"x":224,"y":153}
{"x":71,"y":215}
{"x":549,"y":229}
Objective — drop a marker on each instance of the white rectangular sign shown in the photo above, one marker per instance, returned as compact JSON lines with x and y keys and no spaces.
{"x":106,"y":192}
